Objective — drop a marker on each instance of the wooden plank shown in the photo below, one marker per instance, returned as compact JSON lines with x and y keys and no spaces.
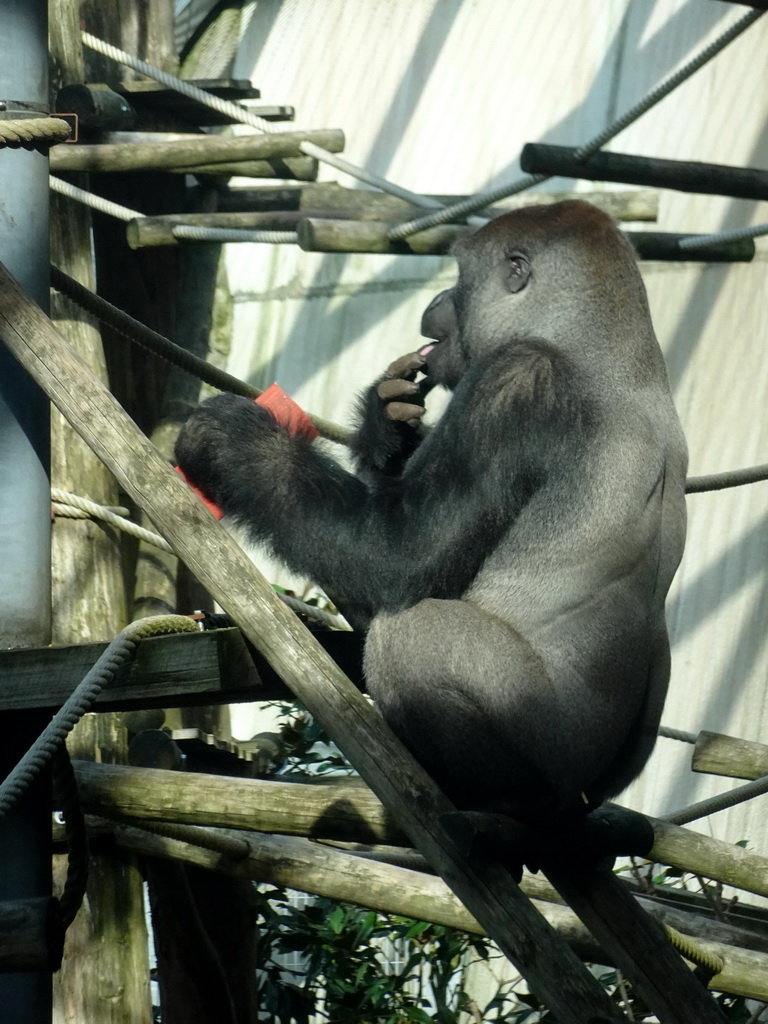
{"x":214,"y":667}
{"x":487,"y":890}
{"x":208,"y":668}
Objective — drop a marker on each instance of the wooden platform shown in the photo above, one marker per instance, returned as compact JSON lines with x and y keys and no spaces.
{"x":214,"y":667}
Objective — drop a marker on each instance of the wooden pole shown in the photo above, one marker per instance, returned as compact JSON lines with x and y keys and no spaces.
{"x":324,"y":871}
{"x":681,"y":175}
{"x":726,"y":755}
{"x":328,"y":235}
{"x":486,"y":889}
{"x":637,"y":205}
{"x":350,"y":812}
{"x":105,"y":966}
{"x":197,"y":151}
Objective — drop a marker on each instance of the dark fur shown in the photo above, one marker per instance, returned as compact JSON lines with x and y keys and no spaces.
{"x":513,"y":561}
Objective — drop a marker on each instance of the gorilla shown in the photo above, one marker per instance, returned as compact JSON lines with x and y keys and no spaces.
{"x":511,"y":563}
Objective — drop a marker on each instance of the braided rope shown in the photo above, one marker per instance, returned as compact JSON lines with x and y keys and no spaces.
{"x":695,"y":952}
{"x":218,"y":841}
{"x":38,"y":133}
{"x":72,"y":506}
{"x":68,"y":800}
{"x":81,"y":699}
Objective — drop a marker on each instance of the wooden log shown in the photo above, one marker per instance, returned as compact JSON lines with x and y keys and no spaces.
{"x":681,"y":175}
{"x":323,"y":871}
{"x":725,"y":755}
{"x":105,"y":959}
{"x":343,"y":811}
{"x":636,"y":941}
{"x":552,"y":969}
{"x":702,"y":855}
{"x":327,"y":235}
{"x":362,"y":205}
{"x":642,"y":205}
{"x":195,"y":152}
{"x":150,"y":231}
{"x":312,"y":810}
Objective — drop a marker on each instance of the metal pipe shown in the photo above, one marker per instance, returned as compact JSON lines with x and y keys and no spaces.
{"x":25,"y":857}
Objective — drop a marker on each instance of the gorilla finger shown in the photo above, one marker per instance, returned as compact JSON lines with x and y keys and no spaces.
{"x":404,"y":412}
{"x":406,"y":366}
{"x":389,"y":389}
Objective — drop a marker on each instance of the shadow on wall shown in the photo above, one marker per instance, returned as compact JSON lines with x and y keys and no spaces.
{"x":625,"y":47}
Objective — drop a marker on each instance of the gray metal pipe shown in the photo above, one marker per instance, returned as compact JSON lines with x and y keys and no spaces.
{"x":25,"y":601}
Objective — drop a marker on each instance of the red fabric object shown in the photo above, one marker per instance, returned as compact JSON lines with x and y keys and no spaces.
{"x":212,"y":508}
{"x":287,"y":413}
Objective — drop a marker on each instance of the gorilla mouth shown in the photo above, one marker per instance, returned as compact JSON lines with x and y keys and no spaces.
{"x":426,"y":349}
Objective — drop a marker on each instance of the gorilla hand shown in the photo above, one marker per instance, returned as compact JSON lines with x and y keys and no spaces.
{"x":399,"y":392}
{"x":390,"y":428}
{"x":222,"y":436}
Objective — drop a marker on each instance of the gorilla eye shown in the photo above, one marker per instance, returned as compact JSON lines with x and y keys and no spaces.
{"x":519,"y":271}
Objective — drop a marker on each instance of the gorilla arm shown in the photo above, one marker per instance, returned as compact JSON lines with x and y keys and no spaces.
{"x":429,"y":532}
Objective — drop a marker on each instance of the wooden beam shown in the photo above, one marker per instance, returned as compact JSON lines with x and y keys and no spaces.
{"x":636,"y":205}
{"x":559,"y":978}
{"x":194,"y":152}
{"x":329,"y":235}
{"x":324,"y":871}
{"x":726,"y":755}
{"x":349,"y":811}
{"x":214,"y":667}
{"x":681,"y":175}
{"x":343,"y":811}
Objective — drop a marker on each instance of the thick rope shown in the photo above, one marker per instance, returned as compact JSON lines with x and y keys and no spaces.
{"x":68,"y":802}
{"x":167,"y":350}
{"x":693,"y":951}
{"x":38,"y":133}
{"x":65,"y":188}
{"x":194,"y":233}
{"x":458,"y":210}
{"x":195,"y":835}
{"x":72,"y":506}
{"x":81,"y":699}
{"x":733,"y":478}
{"x":719,"y":803}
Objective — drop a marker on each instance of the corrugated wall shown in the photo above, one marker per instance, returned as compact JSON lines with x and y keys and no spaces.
{"x":440,"y":96}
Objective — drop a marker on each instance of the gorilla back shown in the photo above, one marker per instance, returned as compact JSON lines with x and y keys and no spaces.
{"x":513,"y":561}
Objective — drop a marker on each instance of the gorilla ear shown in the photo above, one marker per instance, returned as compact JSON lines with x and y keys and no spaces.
{"x":519,"y":272}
